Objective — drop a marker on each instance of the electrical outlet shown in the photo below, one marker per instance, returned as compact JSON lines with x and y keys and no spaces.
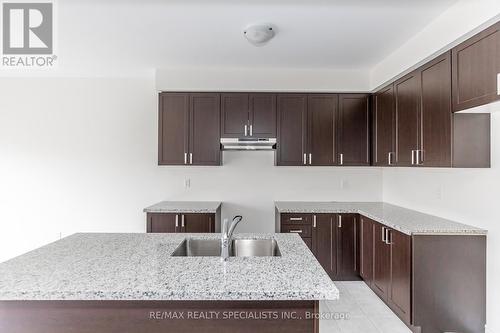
{"x":187,"y":183}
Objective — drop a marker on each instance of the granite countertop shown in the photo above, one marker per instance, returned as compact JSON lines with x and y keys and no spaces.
{"x":140,"y":267}
{"x":405,"y":220}
{"x":184,"y":207}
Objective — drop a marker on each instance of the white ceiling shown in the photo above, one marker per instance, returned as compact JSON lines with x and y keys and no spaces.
{"x":335,"y":34}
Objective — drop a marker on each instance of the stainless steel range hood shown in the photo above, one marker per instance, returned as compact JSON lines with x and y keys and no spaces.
{"x":248,"y":143}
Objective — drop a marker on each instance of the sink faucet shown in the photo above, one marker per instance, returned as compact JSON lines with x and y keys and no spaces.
{"x":227,"y":234}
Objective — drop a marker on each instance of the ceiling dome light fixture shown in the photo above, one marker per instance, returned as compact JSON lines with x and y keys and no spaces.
{"x":259,"y":34}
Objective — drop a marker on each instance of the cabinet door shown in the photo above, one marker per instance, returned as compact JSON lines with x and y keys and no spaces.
{"x":173,"y":127}
{"x":347,"y":251}
{"x":366,"y":249}
{"x":193,"y":223}
{"x":476,"y":64}
{"x":399,"y":297}
{"x":204,"y":135}
{"x":381,"y":262}
{"x":384,"y":127}
{"x":234,"y":115}
{"x":326,"y":243}
{"x":163,"y":223}
{"x":407,"y":92}
{"x":353,"y":139}
{"x":262,"y":115}
{"x":321,"y":113}
{"x":292,"y":111}
{"x":436,"y":113}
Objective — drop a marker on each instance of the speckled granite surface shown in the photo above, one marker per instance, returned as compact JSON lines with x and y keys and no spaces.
{"x":405,"y":220}
{"x":184,"y":207}
{"x":139,"y":267}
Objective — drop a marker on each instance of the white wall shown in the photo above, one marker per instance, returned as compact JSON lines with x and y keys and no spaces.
{"x":262,"y":79}
{"x":81,"y":155}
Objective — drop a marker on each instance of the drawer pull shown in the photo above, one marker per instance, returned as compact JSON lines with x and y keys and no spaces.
{"x":295,"y":218}
{"x":295,"y":231}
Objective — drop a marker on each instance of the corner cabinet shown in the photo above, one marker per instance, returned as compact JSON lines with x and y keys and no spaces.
{"x":180,"y":223}
{"x":332,"y":238}
{"x":188,"y":131}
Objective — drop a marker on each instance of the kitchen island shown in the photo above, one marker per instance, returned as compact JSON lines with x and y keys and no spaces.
{"x":131,"y":283}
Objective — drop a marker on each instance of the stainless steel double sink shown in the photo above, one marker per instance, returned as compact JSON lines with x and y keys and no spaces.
{"x":193,"y":247}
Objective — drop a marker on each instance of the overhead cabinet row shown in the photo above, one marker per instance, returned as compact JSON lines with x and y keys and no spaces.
{"x":311,"y":129}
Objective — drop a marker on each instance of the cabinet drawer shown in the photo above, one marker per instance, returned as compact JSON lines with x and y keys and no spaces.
{"x":296,"y":218}
{"x":302,"y":230}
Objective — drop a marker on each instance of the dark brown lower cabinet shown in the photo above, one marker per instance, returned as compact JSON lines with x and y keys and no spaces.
{"x":347,"y":247}
{"x":333,"y":238}
{"x":326,"y":243}
{"x":366,"y":249}
{"x":399,"y":296}
{"x":189,"y":223}
{"x":154,"y":316}
{"x":381,"y":262}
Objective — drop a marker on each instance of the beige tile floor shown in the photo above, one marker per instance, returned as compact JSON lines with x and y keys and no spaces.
{"x":366,"y":313}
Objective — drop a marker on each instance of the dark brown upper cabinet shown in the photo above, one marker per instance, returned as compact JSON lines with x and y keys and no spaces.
{"x":189,"y":132}
{"x":408,"y":119}
{"x":173,"y":129}
{"x":384,"y":127}
{"x":436,"y":115}
{"x":321,"y":117}
{"x":204,"y":137}
{"x":475,"y":69}
{"x":234,"y":115}
{"x":292,"y":122}
{"x":248,"y":115}
{"x":262,"y":117}
{"x":353,"y":130}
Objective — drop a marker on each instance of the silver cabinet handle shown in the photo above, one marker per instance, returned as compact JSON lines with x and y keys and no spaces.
{"x":185,"y":158}
{"x":498,"y":84}
{"x":305,"y":158}
{"x":295,"y":231}
{"x":413,"y":157}
{"x":182,"y":221}
{"x":190,"y":158}
{"x":310,"y":158}
{"x":295,"y":218}
{"x":420,"y":157}
{"x":251,"y":130}
{"x":383,"y":234}
{"x":389,"y":158}
{"x":314,"y":221}
{"x":340,"y":221}
{"x":387,"y":234}
{"x":246,"y":130}
{"x":177,"y":221}
{"x":341,"y":159}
